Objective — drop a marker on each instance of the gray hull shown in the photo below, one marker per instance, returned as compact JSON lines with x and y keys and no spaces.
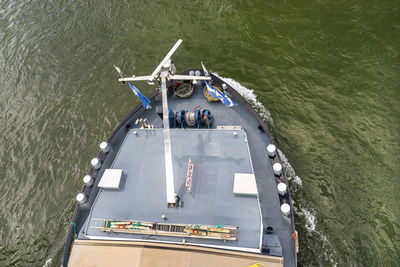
{"x":257,"y":138}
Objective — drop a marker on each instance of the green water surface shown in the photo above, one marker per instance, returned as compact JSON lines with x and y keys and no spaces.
{"x":328,"y":72}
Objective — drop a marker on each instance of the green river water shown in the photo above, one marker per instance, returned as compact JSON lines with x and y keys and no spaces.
{"x":326,"y":75}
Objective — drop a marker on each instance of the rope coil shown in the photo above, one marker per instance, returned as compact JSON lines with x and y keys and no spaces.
{"x":183,"y":90}
{"x":190,"y":118}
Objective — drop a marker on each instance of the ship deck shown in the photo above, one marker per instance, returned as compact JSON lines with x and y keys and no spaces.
{"x":216,"y":154}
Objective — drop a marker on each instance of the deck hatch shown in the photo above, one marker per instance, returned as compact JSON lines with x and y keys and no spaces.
{"x":111,"y":179}
{"x":245,"y":184}
{"x":217,"y":154}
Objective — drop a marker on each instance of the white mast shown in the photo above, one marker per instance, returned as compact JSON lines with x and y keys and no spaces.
{"x":165,"y":70}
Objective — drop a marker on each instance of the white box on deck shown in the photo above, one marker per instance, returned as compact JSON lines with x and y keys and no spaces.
{"x":111,"y":179}
{"x":245,"y":184}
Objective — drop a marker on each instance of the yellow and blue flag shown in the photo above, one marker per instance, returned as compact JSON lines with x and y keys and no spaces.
{"x":221,"y":96}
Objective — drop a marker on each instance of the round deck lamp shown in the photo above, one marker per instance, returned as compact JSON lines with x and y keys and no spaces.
{"x":88,"y":180}
{"x":271,"y":149}
{"x":282,"y":189}
{"x":105,"y":147}
{"x":277,"y":169}
{"x":96,"y":163}
{"x":285,"y":209}
{"x":81,"y":198}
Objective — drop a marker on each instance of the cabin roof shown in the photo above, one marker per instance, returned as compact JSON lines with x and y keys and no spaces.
{"x":120,"y":253}
{"x":217,"y":154}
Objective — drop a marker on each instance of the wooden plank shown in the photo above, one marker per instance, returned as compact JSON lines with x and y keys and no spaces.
{"x":124,"y":253}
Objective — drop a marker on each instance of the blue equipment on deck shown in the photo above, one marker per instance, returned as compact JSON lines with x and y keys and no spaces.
{"x":180,"y":118}
{"x":171,"y":118}
{"x":207,"y":119}
{"x":197,"y":118}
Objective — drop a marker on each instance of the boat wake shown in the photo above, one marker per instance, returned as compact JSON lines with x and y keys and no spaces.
{"x":48,"y":263}
{"x":251,"y":97}
{"x":306,"y":216}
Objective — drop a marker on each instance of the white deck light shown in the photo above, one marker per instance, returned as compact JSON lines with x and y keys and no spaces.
{"x":271,"y":148}
{"x":282,"y":189}
{"x":96,"y":163}
{"x":81,"y":198}
{"x":105,"y":147}
{"x":285,"y":209}
{"x":88,"y":180}
{"x":277,"y":169}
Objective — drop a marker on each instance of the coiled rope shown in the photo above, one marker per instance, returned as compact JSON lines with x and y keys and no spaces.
{"x":184,"y":90}
{"x":190,"y":118}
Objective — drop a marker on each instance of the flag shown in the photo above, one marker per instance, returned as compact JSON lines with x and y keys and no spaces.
{"x":221,"y":96}
{"x":189,"y":175}
{"x":143,"y":98}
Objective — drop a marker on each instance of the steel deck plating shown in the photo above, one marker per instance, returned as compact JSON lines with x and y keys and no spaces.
{"x":217,"y":156}
{"x":257,"y":140}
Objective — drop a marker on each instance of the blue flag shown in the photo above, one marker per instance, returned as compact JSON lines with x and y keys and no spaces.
{"x":221,"y":96}
{"x":143,"y":98}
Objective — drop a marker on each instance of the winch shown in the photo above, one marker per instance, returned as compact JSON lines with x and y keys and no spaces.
{"x":206,"y":118}
{"x":195,"y":118}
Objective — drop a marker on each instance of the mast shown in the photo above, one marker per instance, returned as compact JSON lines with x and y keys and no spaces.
{"x":169,"y":172}
{"x":165,"y":70}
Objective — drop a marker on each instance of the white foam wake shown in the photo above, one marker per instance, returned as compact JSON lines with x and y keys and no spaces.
{"x":48,"y":263}
{"x":295,"y":181}
{"x":290,"y":174}
{"x":308,"y":213}
{"x":250,"y":96}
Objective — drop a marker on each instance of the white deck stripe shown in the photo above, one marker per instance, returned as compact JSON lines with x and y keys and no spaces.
{"x":169,"y":174}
